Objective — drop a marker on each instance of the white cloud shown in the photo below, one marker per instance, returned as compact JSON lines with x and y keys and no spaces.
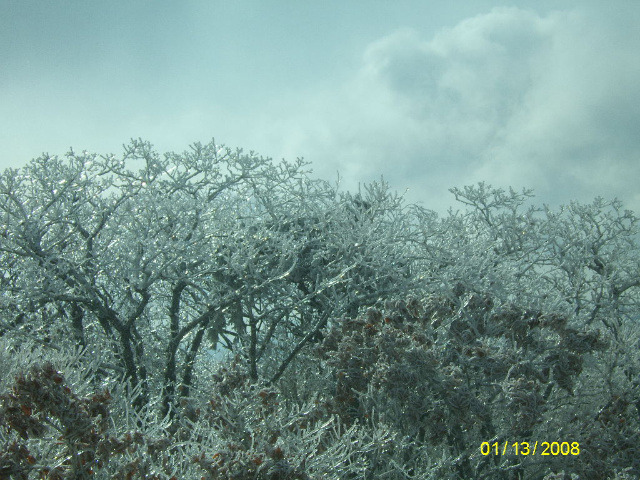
{"x":510,"y":97}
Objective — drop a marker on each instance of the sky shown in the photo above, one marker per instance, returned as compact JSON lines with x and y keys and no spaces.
{"x":428,"y":95}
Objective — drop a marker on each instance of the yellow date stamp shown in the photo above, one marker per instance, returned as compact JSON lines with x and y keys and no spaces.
{"x":526,"y":448}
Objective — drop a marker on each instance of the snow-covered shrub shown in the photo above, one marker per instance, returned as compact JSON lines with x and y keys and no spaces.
{"x":61,"y":417}
{"x":254,"y":431}
{"x":54,"y":425}
{"x":453,"y":377}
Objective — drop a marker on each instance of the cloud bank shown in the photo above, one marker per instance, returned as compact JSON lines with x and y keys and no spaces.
{"x":509,"y":97}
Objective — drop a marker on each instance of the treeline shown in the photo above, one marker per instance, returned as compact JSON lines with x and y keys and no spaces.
{"x":366,"y":338}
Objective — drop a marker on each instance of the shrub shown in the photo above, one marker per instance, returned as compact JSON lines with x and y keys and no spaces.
{"x":452,"y":377}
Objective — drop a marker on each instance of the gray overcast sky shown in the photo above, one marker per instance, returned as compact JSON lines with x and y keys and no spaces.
{"x":428,"y":94}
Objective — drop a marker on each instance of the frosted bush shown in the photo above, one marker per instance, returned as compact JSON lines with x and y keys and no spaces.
{"x":452,"y":379}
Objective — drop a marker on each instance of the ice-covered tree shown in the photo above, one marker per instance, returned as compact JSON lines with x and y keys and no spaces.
{"x":158,"y":258}
{"x":369,"y":338}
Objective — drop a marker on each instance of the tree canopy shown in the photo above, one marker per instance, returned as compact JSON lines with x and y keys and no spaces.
{"x":358,"y":307}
